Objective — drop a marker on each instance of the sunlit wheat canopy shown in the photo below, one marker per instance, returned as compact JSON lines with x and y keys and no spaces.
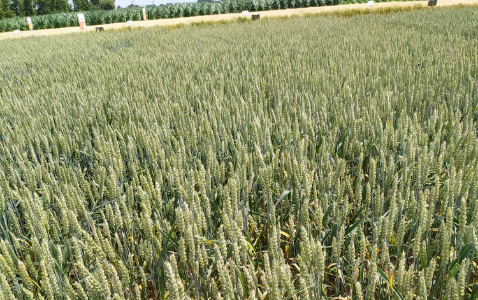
{"x":321,"y":157}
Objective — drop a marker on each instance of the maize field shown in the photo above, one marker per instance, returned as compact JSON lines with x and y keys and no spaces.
{"x":320,"y":157}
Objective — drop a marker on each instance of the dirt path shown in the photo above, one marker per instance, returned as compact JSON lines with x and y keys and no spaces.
{"x":270,"y":13}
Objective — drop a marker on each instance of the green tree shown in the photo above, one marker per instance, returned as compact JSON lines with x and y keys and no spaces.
{"x":28,"y":8}
{"x":94,"y":4}
{"x":81,"y":5}
{"x":102,"y":4}
{"x":60,"y":6}
{"x":107,"y":4}
{"x":43,"y":7}
{"x":17,"y":7}
{"x":5,"y":11}
{"x":51,"y":6}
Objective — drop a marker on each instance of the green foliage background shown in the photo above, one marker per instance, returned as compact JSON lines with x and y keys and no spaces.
{"x":177,"y":10}
{"x":28,"y":8}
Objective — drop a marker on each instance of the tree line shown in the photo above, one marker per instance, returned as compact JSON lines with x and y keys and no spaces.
{"x":27,"y":8}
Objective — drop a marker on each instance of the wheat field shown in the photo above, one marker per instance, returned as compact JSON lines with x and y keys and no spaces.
{"x":316,"y":157}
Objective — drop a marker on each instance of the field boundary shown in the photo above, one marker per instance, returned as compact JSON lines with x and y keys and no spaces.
{"x":229,"y":17}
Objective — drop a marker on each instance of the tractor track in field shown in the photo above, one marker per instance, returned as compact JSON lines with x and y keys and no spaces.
{"x":226,"y":17}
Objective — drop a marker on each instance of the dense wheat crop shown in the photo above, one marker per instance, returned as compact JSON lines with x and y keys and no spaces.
{"x":303,"y":158}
